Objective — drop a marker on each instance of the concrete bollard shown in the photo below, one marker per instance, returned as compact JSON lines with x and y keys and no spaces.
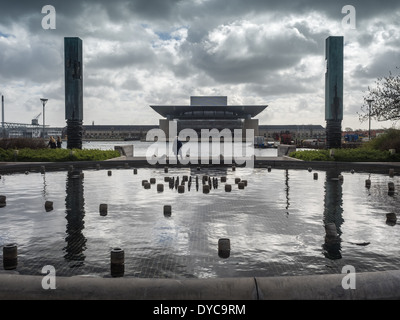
{"x":224,"y":248}
{"x":160,"y":187}
{"x":245,"y":182}
{"x":3,"y":201}
{"x":368,"y":183}
{"x":391,"y":172}
{"x":10,"y":256}
{"x":309,"y":169}
{"x":167,"y":210}
{"x":48,"y":206}
{"x":153,"y":180}
{"x":228,"y":188}
{"x":147,"y":185}
{"x":223,"y":179}
{"x":315,"y":175}
{"x":233,"y":168}
{"x":331,"y":235}
{"x":206,"y":188}
{"x":237,"y":180}
{"x":181,"y":189}
{"x":391,"y":218}
{"x":241,"y":185}
{"x":103,"y":209}
{"x":117,"y":262}
{"x":166,"y":169}
{"x":109,"y":172}
{"x":143,"y":182}
{"x":269,"y":168}
{"x":134,"y":171}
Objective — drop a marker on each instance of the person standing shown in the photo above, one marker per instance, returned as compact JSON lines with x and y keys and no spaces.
{"x":52,"y":143}
{"x":59,"y":142}
{"x":177,"y":147}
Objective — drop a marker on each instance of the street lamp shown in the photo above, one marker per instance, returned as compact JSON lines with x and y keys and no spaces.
{"x":369,"y":117}
{"x":44,"y":101}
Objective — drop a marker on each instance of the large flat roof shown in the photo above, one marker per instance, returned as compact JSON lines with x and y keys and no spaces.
{"x":208,"y":112}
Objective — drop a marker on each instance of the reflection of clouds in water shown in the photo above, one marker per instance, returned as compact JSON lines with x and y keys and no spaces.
{"x":4,"y":239}
{"x":265,"y":240}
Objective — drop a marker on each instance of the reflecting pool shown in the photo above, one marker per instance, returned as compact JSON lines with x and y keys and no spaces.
{"x":275,"y":224}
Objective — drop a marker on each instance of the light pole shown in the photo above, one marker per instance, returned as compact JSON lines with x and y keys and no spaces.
{"x":2,"y":117}
{"x":44,"y":101}
{"x":369,"y":118}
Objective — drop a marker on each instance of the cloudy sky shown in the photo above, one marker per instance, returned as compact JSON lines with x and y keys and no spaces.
{"x":143,"y":52}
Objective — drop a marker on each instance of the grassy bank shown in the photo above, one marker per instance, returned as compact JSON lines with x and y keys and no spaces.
{"x":376,"y":150}
{"x":36,"y":150}
{"x":55,"y":155}
{"x":346,"y":155}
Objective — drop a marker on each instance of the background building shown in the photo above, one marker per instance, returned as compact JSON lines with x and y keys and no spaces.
{"x":116,"y":132}
{"x":295,"y":134}
{"x":209,"y":112}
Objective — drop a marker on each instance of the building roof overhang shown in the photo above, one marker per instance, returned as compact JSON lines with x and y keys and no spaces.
{"x":208,"y":112}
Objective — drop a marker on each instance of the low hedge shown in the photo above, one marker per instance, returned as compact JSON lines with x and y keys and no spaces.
{"x":347,"y":155}
{"x":56,"y":155}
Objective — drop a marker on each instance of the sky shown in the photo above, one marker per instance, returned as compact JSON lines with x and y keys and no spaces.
{"x":146,"y":52}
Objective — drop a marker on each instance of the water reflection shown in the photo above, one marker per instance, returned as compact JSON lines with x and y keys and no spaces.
{"x":75,"y":213}
{"x":333,"y":213}
{"x":44,"y":185}
{"x":287,"y":190}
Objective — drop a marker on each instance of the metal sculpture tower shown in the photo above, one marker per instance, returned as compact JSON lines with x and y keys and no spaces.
{"x":73,"y":91}
{"x":334,"y":91}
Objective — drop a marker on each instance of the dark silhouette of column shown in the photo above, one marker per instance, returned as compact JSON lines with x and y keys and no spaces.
{"x":333,"y":213}
{"x":75,"y":213}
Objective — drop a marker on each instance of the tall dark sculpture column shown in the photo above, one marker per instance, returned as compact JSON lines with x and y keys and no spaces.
{"x":73,"y":91}
{"x":334,"y":91}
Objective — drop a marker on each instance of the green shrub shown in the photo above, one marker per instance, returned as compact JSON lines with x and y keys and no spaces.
{"x":361,"y":155}
{"x":389,"y":140}
{"x":56,"y":155}
{"x":346,"y":155}
{"x":21,"y":143}
{"x":311,"y":155}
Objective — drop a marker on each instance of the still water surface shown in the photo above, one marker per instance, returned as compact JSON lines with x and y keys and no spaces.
{"x":275,"y":225}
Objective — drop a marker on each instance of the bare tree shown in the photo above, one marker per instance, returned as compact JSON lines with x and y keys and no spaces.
{"x":386,"y":100}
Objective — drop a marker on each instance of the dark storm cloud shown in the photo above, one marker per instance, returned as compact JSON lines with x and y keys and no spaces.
{"x":380,"y":65}
{"x":257,"y":45}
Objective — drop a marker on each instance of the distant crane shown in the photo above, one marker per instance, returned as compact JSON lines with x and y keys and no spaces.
{"x":35,"y":120}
